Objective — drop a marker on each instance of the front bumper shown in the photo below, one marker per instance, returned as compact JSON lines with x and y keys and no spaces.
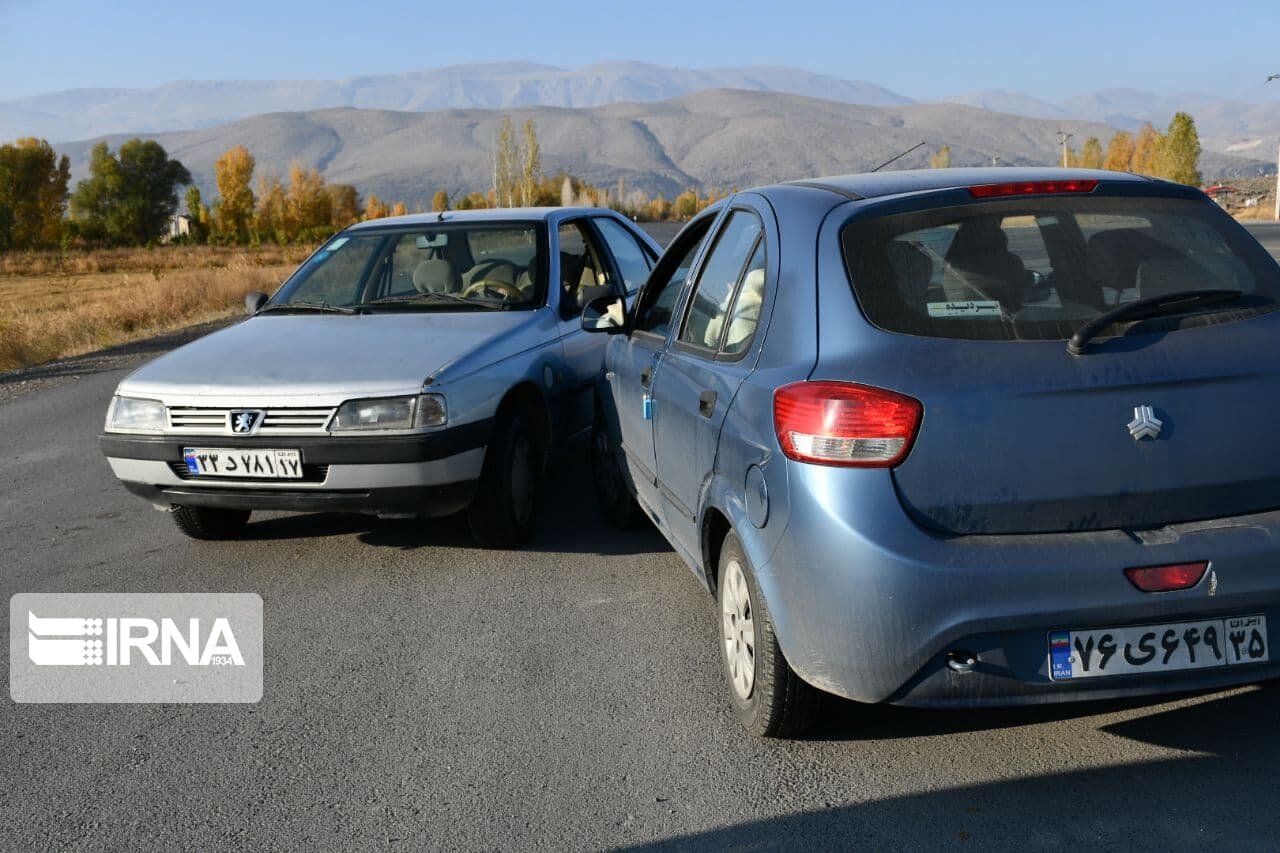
{"x":868,"y":605}
{"x":423,"y":474}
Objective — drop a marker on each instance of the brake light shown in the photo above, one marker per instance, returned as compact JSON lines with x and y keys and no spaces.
{"x":840,"y":423}
{"x":1166,"y":578}
{"x":1032,"y":188}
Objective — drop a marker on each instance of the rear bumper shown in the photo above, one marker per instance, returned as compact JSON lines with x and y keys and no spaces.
{"x":425,"y":475}
{"x":868,"y":605}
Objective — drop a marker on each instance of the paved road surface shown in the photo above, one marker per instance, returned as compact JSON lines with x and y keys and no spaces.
{"x":423,"y":693}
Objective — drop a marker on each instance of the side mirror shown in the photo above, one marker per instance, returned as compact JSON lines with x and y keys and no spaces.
{"x":607,"y":314}
{"x":254,"y":301}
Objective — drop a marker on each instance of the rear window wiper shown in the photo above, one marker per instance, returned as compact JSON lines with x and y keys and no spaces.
{"x":1152,"y":306}
{"x":310,"y":306}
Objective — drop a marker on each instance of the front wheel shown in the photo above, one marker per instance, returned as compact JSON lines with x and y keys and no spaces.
{"x":501,"y":515}
{"x":210,"y":523}
{"x":769,"y":698}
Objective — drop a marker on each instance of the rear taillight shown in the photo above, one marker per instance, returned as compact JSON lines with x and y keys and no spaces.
{"x":840,"y":423}
{"x":1166,"y":578}
{"x":1032,"y":188}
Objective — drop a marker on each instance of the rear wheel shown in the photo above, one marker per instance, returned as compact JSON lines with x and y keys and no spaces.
{"x":617,"y":505}
{"x":205,"y":522}
{"x":769,"y":698}
{"x":501,"y":515}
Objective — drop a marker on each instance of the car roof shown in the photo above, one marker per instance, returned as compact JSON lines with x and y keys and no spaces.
{"x":879,"y":184}
{"x":495,"y":214}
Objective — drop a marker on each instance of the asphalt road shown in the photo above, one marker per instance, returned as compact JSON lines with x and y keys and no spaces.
{"x":421,"y":693}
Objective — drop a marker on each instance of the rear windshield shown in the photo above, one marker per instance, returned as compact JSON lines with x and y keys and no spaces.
{"x":1038,"y":269}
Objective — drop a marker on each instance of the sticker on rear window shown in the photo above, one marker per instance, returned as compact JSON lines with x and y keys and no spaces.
{"x":965,"y":308}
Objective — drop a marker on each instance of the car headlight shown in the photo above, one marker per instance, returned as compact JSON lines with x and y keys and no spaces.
{"x":424,"y":410}
{"x":135,"y":413}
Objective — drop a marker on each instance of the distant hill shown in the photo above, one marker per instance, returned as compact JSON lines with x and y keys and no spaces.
{"x":1225,"y":125}
{"x":722,"y":138}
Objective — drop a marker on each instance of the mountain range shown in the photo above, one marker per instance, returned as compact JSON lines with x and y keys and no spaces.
{"x":719,"y":138}
{"x":1225,"y":125}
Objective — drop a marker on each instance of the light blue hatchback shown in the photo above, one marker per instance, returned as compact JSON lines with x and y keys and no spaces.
{"x":959,"y":437}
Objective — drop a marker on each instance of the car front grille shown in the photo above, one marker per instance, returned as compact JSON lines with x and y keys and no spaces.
{"x":185,"y":419}
{"x":310,"y":474}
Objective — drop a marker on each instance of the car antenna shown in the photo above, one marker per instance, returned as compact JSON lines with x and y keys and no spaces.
{"x":899,"y":157}
{"x":448,"y":204}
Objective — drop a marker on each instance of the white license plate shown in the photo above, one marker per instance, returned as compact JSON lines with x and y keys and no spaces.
{"x":239,"y":462}
{"x":1158,"y":648}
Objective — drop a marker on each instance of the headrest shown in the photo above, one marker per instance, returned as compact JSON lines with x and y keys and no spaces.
{"x":436,"y":275}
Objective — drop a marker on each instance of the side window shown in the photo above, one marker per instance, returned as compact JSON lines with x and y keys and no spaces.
{"x":658,"y":299}
{"x":745,"y":315}
{"x":583,"y":276}
{"x":633,"y":261}
{"x":718,"y":280}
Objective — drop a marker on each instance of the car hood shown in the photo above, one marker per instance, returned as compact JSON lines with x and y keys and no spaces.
{"x":331,"y":357}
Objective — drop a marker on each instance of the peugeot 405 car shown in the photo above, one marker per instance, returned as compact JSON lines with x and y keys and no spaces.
{"x":959,"y":437}
{"x":412,"y":366}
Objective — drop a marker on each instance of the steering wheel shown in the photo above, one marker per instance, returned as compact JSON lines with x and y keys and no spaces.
{"x":504,"y":289}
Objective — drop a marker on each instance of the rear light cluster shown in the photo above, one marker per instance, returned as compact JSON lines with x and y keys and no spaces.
{"x":1166,"y":578}
{"x":840,"y":423}
{"x":1032,"y":188}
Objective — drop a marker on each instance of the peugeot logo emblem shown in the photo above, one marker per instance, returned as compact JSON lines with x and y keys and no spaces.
{"x":244,"y":422}
{"x":1145,"y":424}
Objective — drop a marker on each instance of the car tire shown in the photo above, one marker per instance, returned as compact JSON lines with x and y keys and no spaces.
{"x":210,"y":523}
{"x":767,"y":695}
{"x":502,"y":512}
{"x":618,"y":506}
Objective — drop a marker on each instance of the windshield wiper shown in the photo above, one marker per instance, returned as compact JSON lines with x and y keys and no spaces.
{"x":310,"y":306}
{"x":1152,"y":306}
{"x":439,"y":298}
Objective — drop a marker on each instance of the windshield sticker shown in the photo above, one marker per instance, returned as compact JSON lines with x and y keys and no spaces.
{"x":967,"y":308}
{"x":337,"y":244}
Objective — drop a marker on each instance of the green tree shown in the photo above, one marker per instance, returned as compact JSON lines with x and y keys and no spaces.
{"x":33,"y":194}
{"x":234,"y":216}
{"x":129,"y":197}
{"x":1091,"y":156}
{"x":942,"y":159}
{"x":1179,"y":157}
{"x":197,"y":214}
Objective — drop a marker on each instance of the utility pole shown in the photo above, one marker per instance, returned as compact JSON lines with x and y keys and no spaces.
{"x":1063,"y":136}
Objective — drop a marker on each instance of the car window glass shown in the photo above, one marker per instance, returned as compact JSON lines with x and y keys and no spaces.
{"x":746,"y":305}
{"x":718,"y":279}
{"x":582,"y":275}
{"x":658,"y":300}
{"x":1040,"y":269}
{"x":335,"y":274}
{"x":633,"y":261}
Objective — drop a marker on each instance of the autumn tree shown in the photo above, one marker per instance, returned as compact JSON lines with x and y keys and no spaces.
{"x":33,"y":194}
{"x":506,"y":156}
{"x":375,"y":208}
{"x":1179,"y":156}
{"x":345,"y":203}
{"x":1146,"y":151}
{"x":1091,"y":156}
{"x":271,"y":214}
{"x":1119,"y":152}
{"x":129,"y":197}
{"x":530,"y":166}
{"x":942,"y":159}
{"x":686,"y":204}
{"x":234,"y":213}
{"x":310,"y":208}
{"x":440,"y":201}
{"x":400,"y":209}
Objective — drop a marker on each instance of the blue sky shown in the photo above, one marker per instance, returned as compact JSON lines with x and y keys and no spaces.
{"x":923,"y":49}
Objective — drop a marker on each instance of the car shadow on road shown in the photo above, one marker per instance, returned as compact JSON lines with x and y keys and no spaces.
{"x":1221,"y":790}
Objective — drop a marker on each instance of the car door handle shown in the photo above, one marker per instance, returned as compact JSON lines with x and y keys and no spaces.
{"x":646,"y":377}
{"x":706,"y":403}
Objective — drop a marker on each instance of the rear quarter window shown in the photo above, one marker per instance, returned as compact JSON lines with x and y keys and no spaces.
{"x":1039,"y":268}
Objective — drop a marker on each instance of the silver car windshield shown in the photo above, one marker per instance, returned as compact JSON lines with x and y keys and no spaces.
{"x":445,"y":267}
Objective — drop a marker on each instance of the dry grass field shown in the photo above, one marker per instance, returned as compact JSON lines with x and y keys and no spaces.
{"x":52,"y":307}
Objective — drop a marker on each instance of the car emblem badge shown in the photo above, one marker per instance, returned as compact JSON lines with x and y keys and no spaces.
{"x":244,"y":422}
{"x":1145,"y":424}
